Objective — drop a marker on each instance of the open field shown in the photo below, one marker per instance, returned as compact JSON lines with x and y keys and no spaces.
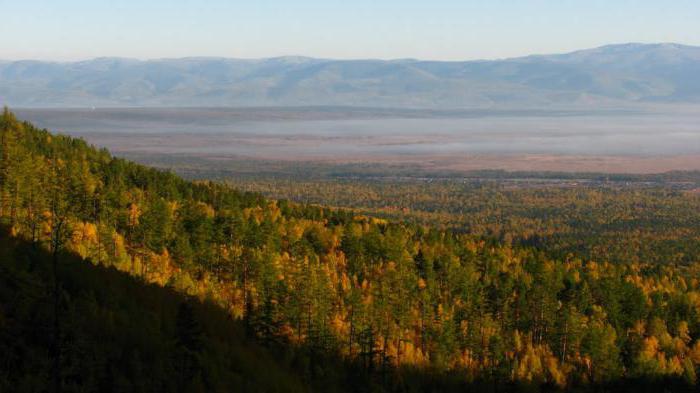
{"x":641,"y":140}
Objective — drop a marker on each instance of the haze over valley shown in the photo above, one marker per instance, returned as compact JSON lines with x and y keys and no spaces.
{"x":641,"y":140}
{"x":616,"y":108}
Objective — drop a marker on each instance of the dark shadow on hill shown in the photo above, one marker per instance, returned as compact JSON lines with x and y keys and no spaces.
{"x":119,"y":334}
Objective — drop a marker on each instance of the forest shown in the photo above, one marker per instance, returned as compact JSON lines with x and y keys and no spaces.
{"x":630,"y":219}
{"x":121,"y":277}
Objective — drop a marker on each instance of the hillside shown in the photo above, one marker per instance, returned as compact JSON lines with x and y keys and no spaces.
{"x":118,"y":334}
{"x":616,"y":75}
{"x":396,"y":306}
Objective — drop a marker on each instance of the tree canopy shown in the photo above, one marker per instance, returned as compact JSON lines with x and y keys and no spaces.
{"x":386,"y":294}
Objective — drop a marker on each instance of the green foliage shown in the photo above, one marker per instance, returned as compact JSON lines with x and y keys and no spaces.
{"x":349,"y":295}
{"x":120,"y":335}
{"x":612,"y":218}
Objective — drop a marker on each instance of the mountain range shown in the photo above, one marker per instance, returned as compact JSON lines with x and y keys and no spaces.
{"x":619,"y":74}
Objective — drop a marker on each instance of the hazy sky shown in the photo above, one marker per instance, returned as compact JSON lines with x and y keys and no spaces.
{"x":434,"y":29}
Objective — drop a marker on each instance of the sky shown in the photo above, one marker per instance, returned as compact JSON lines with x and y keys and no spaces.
{"x":67,"y":30}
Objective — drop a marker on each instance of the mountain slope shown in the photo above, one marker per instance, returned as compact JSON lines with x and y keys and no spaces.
{"x":357,"y":303}
{"x":118,"y":334}
{"x":615,"y":74}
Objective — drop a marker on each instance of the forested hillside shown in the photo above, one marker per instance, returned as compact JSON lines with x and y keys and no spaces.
{"x":118,"y":334}
{"x":385,"y":296}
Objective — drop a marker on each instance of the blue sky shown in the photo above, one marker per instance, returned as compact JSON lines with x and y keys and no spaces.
{"x":436,"y":29}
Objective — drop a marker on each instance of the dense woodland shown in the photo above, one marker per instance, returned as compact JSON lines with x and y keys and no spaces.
{"x":391,"y":298}
{"x":629,"y":220}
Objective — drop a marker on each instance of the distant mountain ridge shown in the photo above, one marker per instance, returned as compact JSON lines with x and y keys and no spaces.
{"x":614,"y":74}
